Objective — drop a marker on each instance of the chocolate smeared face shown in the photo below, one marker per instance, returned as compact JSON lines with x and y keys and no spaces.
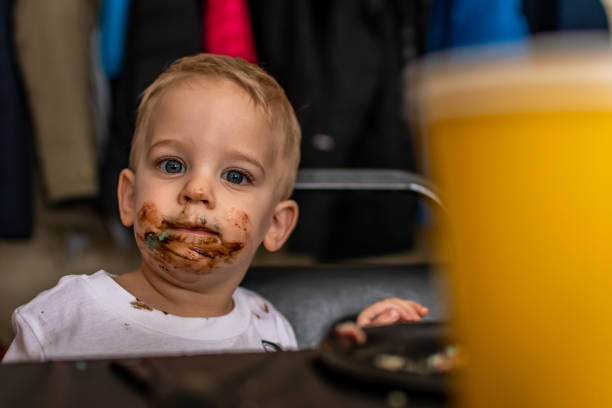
{"x":207,"y":247}
{"x":204,"y":193}
{"x":183,"y":242}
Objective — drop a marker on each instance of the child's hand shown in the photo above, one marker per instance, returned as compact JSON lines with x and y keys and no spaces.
{"x":389,"y":311}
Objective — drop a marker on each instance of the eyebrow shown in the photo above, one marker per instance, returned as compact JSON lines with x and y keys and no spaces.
{"x":163,"y":142}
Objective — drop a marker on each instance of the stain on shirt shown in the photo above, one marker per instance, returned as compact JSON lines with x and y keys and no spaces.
{"x":139,"y":304}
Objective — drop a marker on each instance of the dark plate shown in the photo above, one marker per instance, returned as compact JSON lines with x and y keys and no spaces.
{"x":412,"y":341}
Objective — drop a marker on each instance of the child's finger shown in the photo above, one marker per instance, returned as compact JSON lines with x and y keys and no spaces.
{"x":410,"y":316}
{"x":388,"y":317}
{"x":409,"y":311}
{"x":350,"y":332}
{"x":423,"y":310}
{"x":411,"y":308}
{"x":418,"y":308}
{"x":365,"y":318}
{"x":370,"y":312}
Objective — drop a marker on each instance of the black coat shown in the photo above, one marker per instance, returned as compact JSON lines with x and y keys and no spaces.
{"x":16,"y":206}
{"x":340,"y":62}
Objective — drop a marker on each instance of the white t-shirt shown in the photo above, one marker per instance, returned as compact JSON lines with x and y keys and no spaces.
{"x":92,"y":316}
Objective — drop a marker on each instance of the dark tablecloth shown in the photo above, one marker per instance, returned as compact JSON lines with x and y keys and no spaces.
{"x":283,"y":379}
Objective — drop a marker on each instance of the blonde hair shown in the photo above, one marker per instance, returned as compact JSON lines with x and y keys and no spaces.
{"x":263,"y":89}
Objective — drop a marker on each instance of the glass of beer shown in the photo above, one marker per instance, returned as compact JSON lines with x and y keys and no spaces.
{"x":520,"y":146}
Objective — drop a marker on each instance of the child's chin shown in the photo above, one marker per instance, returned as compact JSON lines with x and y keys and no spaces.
{"x":185,"y":271}
{"x":194,"y":270}
{"x":189,"y":263}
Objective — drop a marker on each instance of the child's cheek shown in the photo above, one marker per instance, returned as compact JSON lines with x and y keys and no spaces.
{"x":149,"y":217}
{"x":239,"y":221}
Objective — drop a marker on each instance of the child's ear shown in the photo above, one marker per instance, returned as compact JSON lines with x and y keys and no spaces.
{"x":125,"y":197}
{"x":284,"y":220}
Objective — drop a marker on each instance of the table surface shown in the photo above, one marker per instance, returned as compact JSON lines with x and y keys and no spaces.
{"x":282,"y":379}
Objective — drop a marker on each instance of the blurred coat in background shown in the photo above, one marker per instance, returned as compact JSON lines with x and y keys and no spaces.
{"x":340,"y":63}
{"x":16,"y":206}
{"x":52,"y":41}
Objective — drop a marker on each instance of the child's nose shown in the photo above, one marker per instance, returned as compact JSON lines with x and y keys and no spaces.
{"x":198,"y":188}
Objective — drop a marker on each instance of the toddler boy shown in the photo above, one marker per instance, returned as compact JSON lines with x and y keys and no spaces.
{"x":212,"y":166}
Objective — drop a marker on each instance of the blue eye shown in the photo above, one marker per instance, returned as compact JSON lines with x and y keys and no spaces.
{"x":235,"y":177}
{"x":171,"y":166}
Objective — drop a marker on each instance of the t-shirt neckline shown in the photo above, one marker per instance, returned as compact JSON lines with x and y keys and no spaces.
{"x":113,"y":296}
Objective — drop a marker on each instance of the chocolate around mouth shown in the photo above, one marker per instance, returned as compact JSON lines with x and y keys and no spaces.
{"x":201,"y":252}
{"x":209,"y":247}
{"x":190,"y":227}
{"x":222,"y":249}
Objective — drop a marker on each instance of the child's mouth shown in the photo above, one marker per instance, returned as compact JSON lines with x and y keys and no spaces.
{"x":190,"y":239}
{"x":191,"y":243}
{"x":187,"y":229}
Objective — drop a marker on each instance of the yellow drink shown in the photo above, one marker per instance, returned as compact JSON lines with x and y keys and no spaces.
{"x":523,"y":159}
